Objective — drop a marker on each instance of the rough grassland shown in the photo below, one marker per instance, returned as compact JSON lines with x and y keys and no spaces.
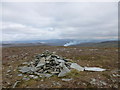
{"x":99,"y":57}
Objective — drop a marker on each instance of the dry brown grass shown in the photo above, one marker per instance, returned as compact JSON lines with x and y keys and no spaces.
{"x":102,"y":57}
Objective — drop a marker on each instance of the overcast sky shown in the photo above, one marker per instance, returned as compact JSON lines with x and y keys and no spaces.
{"x":39,"y":21}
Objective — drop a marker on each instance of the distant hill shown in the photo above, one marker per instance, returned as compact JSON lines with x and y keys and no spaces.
{"x":51,"y":42}
{"x":99,"y":44}
{"x":23,"y":44}
{"x":61,"y":42}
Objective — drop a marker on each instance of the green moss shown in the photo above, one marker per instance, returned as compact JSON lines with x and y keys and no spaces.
{"x":55,"y":77}
{"x":73,"y":74}
{"x":106,"y":75}
{"x":29,"y":83}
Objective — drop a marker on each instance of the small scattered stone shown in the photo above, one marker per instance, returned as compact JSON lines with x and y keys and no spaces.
{"x":25,"y":63}
{"x":8,"y":71}
{"x":42,"y":80}
{"x":24,"y":69}
{"x":15,"y":84}
{"x":35,"y":77}
{"x":48,"y":75}
{"x":20,"y":75}
{"x":66,"y":79}
{"x":26,"y":78}
{"x":56,"y":83}
{"x":54,"y":72}
{"x":31,"y":76}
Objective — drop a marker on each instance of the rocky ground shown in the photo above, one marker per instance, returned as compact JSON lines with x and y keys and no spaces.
{"x":107,"y":58}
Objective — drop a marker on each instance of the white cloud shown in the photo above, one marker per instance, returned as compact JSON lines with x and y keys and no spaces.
{"x":14,"y":31}
{"x":59,"y":20}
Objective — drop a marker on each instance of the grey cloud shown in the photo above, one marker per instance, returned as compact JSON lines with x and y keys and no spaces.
{"x":69,"y":20}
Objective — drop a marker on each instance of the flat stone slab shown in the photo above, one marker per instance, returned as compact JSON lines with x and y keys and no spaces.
{"x":24,"y":69}
{"x":76,"y":66}
{"x":93,"y":69}
{"x":25,"y":63}
{"x":59,"y":60}
{"x":64,"y":79}
{"x":64,"y":71}
{"x":41,"y":63}
{"x":48,"y":75}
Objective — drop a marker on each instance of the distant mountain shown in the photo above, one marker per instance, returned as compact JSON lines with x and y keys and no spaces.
{"x":99,"y":44}
{"x":51,"y":42}
{"x":22,"y":44}
{"x":60,"y":42}
{"x":56,"y":42}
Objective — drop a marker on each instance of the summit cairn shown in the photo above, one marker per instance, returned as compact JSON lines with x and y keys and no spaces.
{"x":48,"y":64}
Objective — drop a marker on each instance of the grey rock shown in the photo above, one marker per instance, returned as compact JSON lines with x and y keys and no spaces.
{"x":47,"y":61}
{"x":64,"y":79}
{"x":40,"y":76}
{"x":56,"y":83}
{"x":26,"y":63}
{"x":93,"y":81}
{"x":14,"y":56}
{"x":25,"y":69}
{"x":104,"y":83}
{"x":33,"y":69}
{"x":42,"y":80}
{"x":33,"y":76}
{"x":54,"y":72}
{"x":7,"y":74}
{"x":48,"y":57}
{"x":56,"y":60}
{"x":8,"y":71}
{"x":41,"y":63}
{"x":20,"y":75}
{"x":16,"y":84}
{"x":77,"y":67}
{"x":62,"y":64}
{"x":48,"y":75}
{"x":26,"y":78}
{"x":61,"y":61}
{"x":37,"y":73}
{"x":68,"y":63}
{"x":64,"y":71}
{"x":31,"y":63}
{"x":94,"y":69}
{"x":45,"y":75}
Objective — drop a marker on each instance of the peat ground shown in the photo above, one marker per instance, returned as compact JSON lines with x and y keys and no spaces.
{"x":106,"y":58}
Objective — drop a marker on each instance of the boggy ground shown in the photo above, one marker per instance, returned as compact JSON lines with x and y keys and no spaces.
{"x":106,"y":58}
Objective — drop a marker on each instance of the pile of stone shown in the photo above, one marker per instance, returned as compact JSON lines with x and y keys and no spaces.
{"x":48,"y":64}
